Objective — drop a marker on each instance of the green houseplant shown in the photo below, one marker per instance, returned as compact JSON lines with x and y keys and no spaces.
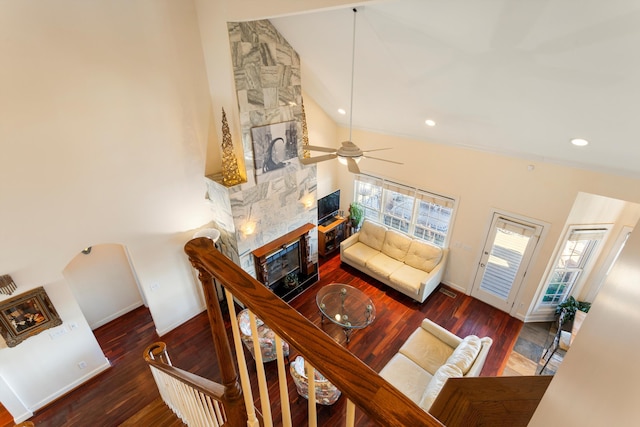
{"x":356,"y":214}
{"x":570,"y":306}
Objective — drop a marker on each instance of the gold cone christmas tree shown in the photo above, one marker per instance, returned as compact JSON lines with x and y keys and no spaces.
{"x":230,"y":172}
{"x":305,"y":135}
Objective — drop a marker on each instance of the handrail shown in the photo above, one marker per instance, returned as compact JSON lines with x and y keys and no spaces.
{"x":195,"y":400}
{"x":204,"y":385}
{"x":371,"y":393}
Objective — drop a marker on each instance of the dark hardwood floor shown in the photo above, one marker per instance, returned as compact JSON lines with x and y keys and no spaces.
{"x":117,"y":395}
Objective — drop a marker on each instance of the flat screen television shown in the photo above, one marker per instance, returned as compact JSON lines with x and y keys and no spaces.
{"x":328,"y":206}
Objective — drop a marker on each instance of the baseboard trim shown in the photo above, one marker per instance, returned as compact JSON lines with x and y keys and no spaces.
{"x":69,"y":388}
{"x":114,"y":316}
{"x":171,"y":327}
{"x":456,"y":287}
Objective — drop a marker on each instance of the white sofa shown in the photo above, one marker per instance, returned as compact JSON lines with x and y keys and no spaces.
{"x":429,"y":357}
{"x":413,"y":267}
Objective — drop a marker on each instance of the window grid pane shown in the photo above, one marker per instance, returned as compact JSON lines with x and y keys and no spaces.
{"x":422,"y":215}
{"x":398,"y":210}
{"x":570,"y":264}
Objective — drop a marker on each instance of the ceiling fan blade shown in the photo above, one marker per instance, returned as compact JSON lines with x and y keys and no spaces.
{"x":384,"y":160}
{"x":352,"y":165}
{"x":312,"y":160}
{"x":318,"y":148}
{"x":376,"y":149}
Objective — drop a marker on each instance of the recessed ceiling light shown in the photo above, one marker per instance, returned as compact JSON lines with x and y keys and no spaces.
{"x":341,"y":111}
{"x":579,"y":142}
{"x":430,"y":122}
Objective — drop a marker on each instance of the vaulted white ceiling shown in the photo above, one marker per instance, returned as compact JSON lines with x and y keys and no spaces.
{"x":520,"y":77}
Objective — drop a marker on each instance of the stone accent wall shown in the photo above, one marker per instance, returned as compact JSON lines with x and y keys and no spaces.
{"x":267,"y":78}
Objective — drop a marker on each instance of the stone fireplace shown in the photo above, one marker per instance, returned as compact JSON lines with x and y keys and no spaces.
{"x":269,"y":205}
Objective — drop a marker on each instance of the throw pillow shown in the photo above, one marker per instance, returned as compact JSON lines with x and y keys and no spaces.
{"x":437,"y":382}
{"x":465,"y":354}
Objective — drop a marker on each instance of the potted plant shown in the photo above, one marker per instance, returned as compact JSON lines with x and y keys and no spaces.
{"x":570,"y":305}
{"x":356,"y":215}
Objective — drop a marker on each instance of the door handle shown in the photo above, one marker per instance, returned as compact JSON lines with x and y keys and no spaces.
{"x":481,"y":265}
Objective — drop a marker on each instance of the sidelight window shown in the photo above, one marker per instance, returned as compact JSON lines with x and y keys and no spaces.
{"x":573,"y":259}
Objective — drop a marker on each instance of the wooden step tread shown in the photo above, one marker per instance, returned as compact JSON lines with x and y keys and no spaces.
{"x":156,"y":414}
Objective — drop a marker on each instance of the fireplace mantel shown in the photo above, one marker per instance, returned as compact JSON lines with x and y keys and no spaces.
{"x":277,"y":244}
{"x":304,"y":274}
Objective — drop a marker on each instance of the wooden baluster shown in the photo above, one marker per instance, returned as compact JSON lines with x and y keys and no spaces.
{"x":351,"y":414}
{"x":234,"y":402}
{"x":263,"y":387}
{"x":282,"y":381}
{"x":311,"y":381}
{"x":242,"y":363}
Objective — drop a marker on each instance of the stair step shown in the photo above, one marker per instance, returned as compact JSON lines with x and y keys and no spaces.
{"x":157,"y":414}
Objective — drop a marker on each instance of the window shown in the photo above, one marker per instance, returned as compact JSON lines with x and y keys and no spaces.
{"x":571,"y":262}
{"x":420,"y":214}
{"x":368,"y":193}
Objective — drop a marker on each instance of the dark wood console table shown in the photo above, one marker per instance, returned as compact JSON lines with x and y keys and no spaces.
{"x":284,"y":266}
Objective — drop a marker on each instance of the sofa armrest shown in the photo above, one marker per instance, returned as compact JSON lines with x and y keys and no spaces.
{"x":441,"y":333}
{"x":434,"y":278}
{"x":478,"y":364}
{"x":349,"y":241}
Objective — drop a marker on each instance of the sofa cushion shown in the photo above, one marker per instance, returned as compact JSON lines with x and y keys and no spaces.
{"x":383,"y":265}
{"x":358,"y":254}
{"x":408,"y":279}
{"x":423,"y":256}
{"x":437,"y":382}
{"x":406,"y":376}
{"x":425,"y":349}
{"x":396,"y":245}
{"x":372,"y":235}
{"x":465,"y":354}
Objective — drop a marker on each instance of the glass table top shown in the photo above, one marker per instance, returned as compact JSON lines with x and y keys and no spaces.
{"x":346,"y":306}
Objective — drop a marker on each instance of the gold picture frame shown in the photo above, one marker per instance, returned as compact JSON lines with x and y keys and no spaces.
{"x":26,"y":315}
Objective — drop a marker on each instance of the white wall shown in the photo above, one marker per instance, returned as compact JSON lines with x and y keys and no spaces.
{"x":485,"y":181}
{"x":45,"y":366}
{"x":103,"y":133}
{"x":103,"y":283}
{"x":598,"y":383}
{"x":323,"y":132}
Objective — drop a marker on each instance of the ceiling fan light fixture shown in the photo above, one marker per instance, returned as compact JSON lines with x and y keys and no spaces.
{"x":343,"y":159}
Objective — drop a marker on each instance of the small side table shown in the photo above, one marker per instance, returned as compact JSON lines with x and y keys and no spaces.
{"x":346,"y":306}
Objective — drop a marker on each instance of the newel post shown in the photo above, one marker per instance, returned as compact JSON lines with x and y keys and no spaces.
{"x":234,"y":401}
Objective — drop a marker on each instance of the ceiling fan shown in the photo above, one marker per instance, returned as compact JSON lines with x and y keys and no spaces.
{"x":349,"y":153}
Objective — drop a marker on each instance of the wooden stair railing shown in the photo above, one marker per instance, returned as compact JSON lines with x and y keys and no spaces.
{"x":489,"y":401}
{"x":378,"y":399}
{"x":195,"y":400}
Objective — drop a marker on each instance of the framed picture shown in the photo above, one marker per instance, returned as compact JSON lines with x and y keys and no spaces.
{"x":275,"y":147}
{"x":27,"y":315}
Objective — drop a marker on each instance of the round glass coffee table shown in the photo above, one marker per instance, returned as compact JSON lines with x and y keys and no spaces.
{"x":346,"y":306}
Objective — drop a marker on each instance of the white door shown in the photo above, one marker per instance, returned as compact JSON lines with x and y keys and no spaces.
{"x":505,"y":258}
